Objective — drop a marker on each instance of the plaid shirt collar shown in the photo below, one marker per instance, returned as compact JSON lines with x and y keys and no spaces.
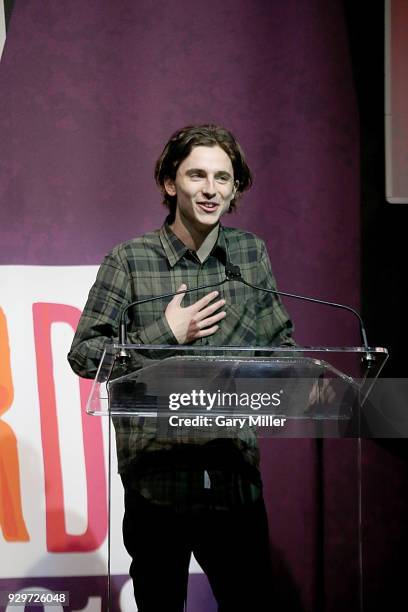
{"x":175,"y":249}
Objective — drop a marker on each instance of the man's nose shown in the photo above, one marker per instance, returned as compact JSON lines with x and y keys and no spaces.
{"x":209,"y":190}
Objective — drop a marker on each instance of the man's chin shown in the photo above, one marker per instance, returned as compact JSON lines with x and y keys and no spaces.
{"x":208,"y":219}
{"x":207,"y":223}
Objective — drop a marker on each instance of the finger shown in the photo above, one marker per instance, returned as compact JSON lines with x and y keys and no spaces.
{"x":177,"y":299}
{"x":206,"y":332}
{"x":211,"y":320}
{"x":209,"y":310}
{"x":313,"y":394}
{"x":325,"y":390}
{"x":312,"y":397}
{"x":204,"y":301}
{"x":330,"y":394}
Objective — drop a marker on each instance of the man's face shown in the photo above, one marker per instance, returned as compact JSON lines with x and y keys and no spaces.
{"x":204,"y":186}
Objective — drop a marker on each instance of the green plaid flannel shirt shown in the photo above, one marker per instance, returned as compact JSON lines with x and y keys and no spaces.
{"x":157,"y":263}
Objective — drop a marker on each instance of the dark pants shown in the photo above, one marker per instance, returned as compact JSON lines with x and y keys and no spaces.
{"x":232,"y":547}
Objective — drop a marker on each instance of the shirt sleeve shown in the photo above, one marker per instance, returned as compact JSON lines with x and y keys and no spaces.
{"x":273,"y":318}
{"x":99,"y":322}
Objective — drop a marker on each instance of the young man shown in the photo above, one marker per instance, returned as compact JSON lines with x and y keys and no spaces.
{"x":205,"y":496}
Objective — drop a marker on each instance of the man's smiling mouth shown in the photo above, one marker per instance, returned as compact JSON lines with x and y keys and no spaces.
{"x":208,"y":206}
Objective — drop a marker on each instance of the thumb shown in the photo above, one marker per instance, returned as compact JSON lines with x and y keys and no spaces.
{"x":177,"y":299}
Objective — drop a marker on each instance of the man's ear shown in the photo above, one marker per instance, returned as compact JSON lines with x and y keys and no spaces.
{"x":170,"y":186}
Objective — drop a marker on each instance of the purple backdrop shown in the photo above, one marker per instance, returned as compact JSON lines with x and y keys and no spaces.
{"x":90,"y":91}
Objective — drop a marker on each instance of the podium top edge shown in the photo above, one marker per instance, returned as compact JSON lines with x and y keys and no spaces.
{"x":273,"y":349}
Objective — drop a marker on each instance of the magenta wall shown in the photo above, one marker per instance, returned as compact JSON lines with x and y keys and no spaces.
{"x":91,"y":90}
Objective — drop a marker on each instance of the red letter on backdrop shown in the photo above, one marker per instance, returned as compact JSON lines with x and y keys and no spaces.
{"x":58,"y":540}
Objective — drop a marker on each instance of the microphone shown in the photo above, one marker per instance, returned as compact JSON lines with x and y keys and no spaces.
{"x":233,"y":273}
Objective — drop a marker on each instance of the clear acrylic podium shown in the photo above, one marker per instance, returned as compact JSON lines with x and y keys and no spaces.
{"x":174,"y":396}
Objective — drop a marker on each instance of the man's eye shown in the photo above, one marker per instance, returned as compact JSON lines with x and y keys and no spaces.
{"x":222,"y":179}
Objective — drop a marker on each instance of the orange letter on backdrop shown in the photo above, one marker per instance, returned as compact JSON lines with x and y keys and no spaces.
{"x":11,"y":515}
{"x":58,"y":540}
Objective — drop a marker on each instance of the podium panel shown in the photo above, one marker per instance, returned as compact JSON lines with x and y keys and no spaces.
{"x":223,"y":451}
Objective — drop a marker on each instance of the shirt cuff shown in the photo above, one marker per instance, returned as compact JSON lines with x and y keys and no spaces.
{"x":158,"y":332}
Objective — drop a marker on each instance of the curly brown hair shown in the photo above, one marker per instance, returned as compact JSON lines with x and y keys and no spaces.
{"x":180,"y":146}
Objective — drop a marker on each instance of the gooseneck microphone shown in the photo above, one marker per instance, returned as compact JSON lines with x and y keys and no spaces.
{"x":233,"y":273}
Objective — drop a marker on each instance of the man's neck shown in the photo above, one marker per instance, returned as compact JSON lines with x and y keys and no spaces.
{"x":190,"y":236}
